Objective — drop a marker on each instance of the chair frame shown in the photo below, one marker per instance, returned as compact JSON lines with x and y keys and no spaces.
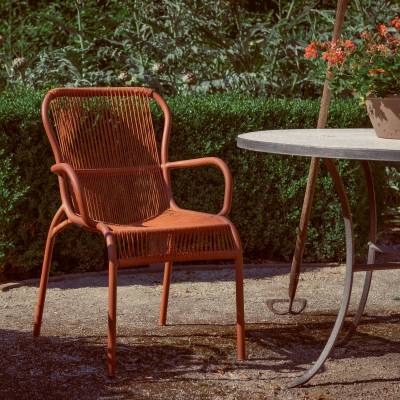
{"x":65,"y":216}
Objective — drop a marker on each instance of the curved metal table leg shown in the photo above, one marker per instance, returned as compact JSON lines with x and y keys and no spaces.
{"x":348,"y":282}
{"x":371,"y":251}
{"x":360,"y":310}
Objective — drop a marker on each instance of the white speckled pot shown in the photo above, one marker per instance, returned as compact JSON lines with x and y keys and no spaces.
{"x":385,"y":116}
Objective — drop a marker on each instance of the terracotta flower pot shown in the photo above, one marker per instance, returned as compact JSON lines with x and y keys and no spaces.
{"x":385,"y":116}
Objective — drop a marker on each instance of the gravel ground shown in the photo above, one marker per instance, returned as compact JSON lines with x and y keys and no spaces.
{"x":194,"y":356}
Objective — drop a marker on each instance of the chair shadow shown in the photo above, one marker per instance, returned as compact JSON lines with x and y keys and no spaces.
{"x":74,"y":367}
{"x":153,"y":276}
{"x":301,"y":343}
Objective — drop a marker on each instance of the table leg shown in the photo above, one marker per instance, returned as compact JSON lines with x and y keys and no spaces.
{"x":348,"y":281}
{"x":371,"y":251}
{"x":299,"y":249}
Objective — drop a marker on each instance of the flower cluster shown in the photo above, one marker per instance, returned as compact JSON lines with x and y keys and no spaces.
{"x":311,"y":51}
{"x":367,"y":64}
{"x":332,"y":52}
{"x":396,"y":22}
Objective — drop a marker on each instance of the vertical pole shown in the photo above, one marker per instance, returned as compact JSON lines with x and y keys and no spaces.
{"x":112,"y":304}
{"x":165,"y":292}
{"x":313,"y":171}
{"x":240,"y":324}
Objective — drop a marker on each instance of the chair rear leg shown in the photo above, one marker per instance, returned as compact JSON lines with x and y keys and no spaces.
{"x":48,"y":253}
{"x":165,"y":293}
{"x":240,"y":324}
{"x":112,"y":306}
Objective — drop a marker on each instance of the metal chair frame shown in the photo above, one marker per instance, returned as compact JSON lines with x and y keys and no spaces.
{"x":130,"y":243}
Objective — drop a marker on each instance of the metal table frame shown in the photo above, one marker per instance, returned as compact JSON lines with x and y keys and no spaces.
{"x":302,"y":235}
{"x":268,"y":145}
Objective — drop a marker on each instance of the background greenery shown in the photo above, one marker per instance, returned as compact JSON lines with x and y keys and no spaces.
{"x":226,"y":65}
{"x":268,"y":190}
{"x":173,"y":45}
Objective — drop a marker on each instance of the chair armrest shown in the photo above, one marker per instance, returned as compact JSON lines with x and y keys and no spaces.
{"x":200,"y":162}
{"x":65,"y":171}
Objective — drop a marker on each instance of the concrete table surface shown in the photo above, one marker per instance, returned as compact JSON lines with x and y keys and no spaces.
{"x":356,"y":144}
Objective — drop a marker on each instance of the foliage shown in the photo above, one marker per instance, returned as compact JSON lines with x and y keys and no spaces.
{"x":369,"y":64}
{"x":11,"y":191}
{"x":29,"y":193}
{"x":268,"y":190}
{"x":171,"y":45}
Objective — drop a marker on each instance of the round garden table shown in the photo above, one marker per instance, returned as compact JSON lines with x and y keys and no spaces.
{"x":330,"y":144}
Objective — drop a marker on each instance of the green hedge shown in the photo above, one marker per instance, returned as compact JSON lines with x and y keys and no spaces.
{"x":268,"y":189}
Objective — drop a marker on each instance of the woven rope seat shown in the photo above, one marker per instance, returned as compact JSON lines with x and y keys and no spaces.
{"x":174,"y":235}
{"x":114,"y":178}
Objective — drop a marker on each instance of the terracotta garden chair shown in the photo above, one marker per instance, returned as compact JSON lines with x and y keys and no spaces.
{"x":115,"y":180}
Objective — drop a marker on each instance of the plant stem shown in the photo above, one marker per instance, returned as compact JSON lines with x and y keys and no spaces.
{"x":78,"y":18}
{"x":9,"y":32}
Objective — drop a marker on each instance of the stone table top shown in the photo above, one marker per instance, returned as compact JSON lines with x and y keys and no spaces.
{"x":353,"y":144}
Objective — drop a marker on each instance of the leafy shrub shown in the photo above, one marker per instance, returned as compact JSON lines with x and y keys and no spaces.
{"x":268,"y":189}
{"x":33,"y":192}
{"x":179,"y":45}
{"x":11,"y":191}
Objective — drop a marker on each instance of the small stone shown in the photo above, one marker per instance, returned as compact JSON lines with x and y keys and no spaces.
{"x":275,"y":387}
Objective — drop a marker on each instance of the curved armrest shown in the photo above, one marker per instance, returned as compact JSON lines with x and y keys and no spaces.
{"x":66,"y":171}
{"x":199,"y":162}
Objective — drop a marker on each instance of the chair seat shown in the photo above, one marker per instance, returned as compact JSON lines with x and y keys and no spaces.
{"x":175,"y":235}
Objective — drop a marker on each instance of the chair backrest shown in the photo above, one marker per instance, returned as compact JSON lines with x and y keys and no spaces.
{"x":107,"y":136}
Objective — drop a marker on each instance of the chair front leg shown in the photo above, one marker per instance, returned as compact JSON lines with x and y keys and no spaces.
{"x":240,"y":324}
{"x":112,"y":304}
{"x":56,"y":226}
{"x":165,"y":293}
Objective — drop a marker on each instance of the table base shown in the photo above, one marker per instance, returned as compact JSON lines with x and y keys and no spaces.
{"x":350,"y":265}
{"x":272,"y":305}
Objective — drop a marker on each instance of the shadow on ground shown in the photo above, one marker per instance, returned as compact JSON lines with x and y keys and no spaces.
{"x":189,"y":361}
{"x":153,"y":276}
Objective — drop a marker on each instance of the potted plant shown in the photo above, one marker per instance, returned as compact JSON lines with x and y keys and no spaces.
{"x":368,"y":67}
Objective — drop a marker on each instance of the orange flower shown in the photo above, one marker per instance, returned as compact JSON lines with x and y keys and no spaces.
{"x":349,"y":44}
{"x":311,"y":51}
{"x":396,"y":22}
{"x":382,"y":29}
{"x":334,"y":56}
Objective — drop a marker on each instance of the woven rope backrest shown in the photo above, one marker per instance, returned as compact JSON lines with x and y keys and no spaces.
{"x":108,"y":138}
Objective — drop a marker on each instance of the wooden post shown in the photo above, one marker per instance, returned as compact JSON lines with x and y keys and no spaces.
{"x":313,"y":171}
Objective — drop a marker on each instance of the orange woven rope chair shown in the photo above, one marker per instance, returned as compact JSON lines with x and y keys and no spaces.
{"x":115,"y":180}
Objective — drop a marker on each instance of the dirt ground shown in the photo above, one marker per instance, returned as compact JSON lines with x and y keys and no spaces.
{"x":194,"y":356}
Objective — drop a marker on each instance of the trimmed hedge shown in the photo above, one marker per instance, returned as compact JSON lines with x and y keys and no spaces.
{"x":268,"y":189}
